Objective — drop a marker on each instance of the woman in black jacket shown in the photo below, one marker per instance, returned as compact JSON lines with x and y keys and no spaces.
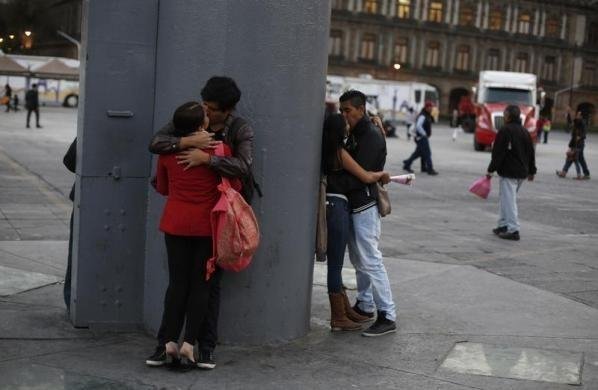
{"x":575,"y":153}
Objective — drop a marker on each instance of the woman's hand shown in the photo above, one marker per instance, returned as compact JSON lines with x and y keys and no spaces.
{"x":193,"y":158}
{"x":378,"y":122}
{"x":199,"y":140}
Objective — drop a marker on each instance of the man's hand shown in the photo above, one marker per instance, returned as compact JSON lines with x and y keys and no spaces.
{"x":530,"y":178}
{"x":192,"y":158}
{"x":385,"y":178}
{"x":199,"y":139}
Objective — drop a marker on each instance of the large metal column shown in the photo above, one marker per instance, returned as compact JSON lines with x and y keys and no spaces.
{"x":115,"y":123}
{"x":277,"y":53}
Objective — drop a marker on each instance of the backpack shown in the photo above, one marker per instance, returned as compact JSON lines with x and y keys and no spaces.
{"x":235,"y":231}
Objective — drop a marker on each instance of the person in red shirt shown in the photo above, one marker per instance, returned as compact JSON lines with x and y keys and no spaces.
{"x":192,"y":194}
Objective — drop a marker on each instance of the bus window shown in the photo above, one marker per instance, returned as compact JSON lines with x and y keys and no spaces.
{"x":418,"y":96}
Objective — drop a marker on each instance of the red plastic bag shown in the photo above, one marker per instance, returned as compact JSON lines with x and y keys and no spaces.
{"x":481,"y":187}
{"x":235,"y":231}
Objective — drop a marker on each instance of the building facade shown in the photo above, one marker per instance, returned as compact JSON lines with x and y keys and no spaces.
{"x":446,"y":43}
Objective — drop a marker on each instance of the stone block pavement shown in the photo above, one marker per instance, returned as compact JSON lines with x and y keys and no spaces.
{"x":475,"y":312}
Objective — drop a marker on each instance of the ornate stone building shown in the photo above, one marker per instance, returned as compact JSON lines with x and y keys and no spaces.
{"x":447,"y":42}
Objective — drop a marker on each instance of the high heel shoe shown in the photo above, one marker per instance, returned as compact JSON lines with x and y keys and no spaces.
{"x":173,"y":360}
{"x":186,"y":363}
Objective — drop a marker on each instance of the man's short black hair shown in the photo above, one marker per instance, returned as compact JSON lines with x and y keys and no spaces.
{"x":513,"y":113}
{"x":222,"y":90}
{"x":187,"y":118}
{"x":356,"y":98}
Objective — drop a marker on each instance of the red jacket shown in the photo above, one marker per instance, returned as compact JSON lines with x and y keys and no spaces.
{"x":192,"y":195}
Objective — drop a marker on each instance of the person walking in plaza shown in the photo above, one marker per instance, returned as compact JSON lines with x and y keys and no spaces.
{"x":340,"y":170}
{"x":513,"y":158}
{"x":6,"y":98}
{"x":423,"y":131}
{"x":32,"y":104}
{"x":575,"y":154}
{"x":192,"y":194}
{"x":220,"y":96}
{"x":367,"y":145}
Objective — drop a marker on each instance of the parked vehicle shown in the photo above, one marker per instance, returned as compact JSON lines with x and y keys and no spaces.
{"x":495,"y":91}
{"x":57,"y":79}
{"x":391,"y":99}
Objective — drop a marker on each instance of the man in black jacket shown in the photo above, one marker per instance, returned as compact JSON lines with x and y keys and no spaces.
{"x":367,"y":146}
{"x":32,"y":104}
{"x":513,"y":158}
{"x":220,"y":96}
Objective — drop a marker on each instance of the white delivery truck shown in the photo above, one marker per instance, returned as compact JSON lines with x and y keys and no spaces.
{"x":391,"y":99}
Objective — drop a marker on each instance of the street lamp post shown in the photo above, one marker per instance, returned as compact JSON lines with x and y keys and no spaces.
{"x":71,"y":40}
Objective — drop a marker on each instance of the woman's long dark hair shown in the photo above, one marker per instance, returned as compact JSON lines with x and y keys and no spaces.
{"x":333,"y":135}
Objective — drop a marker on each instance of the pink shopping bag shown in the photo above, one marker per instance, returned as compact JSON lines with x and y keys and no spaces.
{"x":481,"y":187}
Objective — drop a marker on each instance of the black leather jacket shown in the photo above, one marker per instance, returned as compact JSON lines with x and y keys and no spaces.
{"x":236,"y":133}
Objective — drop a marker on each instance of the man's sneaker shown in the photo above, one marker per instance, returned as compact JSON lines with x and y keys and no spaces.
{"x":158,"y":358}
{"x":357,"y":310}
{"x":206,"y":359}
{"x":380,"y":327}
{"x":432,"y":172}
{"x":509,"y":236}
{"x":500,"y":229}
{"x":586,"y":177}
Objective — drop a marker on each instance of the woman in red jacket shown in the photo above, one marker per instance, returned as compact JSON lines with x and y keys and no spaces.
{"x":192,"y":194}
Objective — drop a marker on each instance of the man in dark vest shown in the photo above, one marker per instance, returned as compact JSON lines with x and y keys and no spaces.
{"x":423,"y":131}
{"x":220,"y":96}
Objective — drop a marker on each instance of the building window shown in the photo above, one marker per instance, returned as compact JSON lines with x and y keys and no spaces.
{"x":466,"y":16}
{"x":433,"y":55}
{"x":492,"y":61}
{"x":588,"y":76}
{"x":435,"y":11}
{"x":553,"y":28}
{"x":593,"y":35}
{"x":403,"y":8}
{"x":336,"y":43}
{"x":368,"y":47}
{"x":371,"y":6}
{"x":524,"y":23}
{"x":495,"y":20}
{"x":548,"y":68}
{"x":340,"y":4}
{"x":400,"y":55}
{"x":462,"y":58}
{"x":521,"y":62}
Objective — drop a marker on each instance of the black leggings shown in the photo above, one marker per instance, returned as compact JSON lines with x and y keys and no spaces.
{"x":188,"y":291}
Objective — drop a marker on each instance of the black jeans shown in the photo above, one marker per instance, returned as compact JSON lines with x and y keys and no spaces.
{"x":188,"y":292}
{"x":36,"y":110}
{"x":66,"y":292}
{"x":208,"y":330}
{"x":422,"y":150}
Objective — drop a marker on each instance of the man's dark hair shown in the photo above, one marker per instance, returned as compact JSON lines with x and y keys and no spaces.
{"x":33,"y":86}
{"x":513,"y":114}
{"x":356,"y":98}
{"x":187,"y":118}
{"x":222,"y":90}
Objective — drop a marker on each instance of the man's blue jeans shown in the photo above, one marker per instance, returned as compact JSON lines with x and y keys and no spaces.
{"x":507,"y":204}
{"x":372,"y":280}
